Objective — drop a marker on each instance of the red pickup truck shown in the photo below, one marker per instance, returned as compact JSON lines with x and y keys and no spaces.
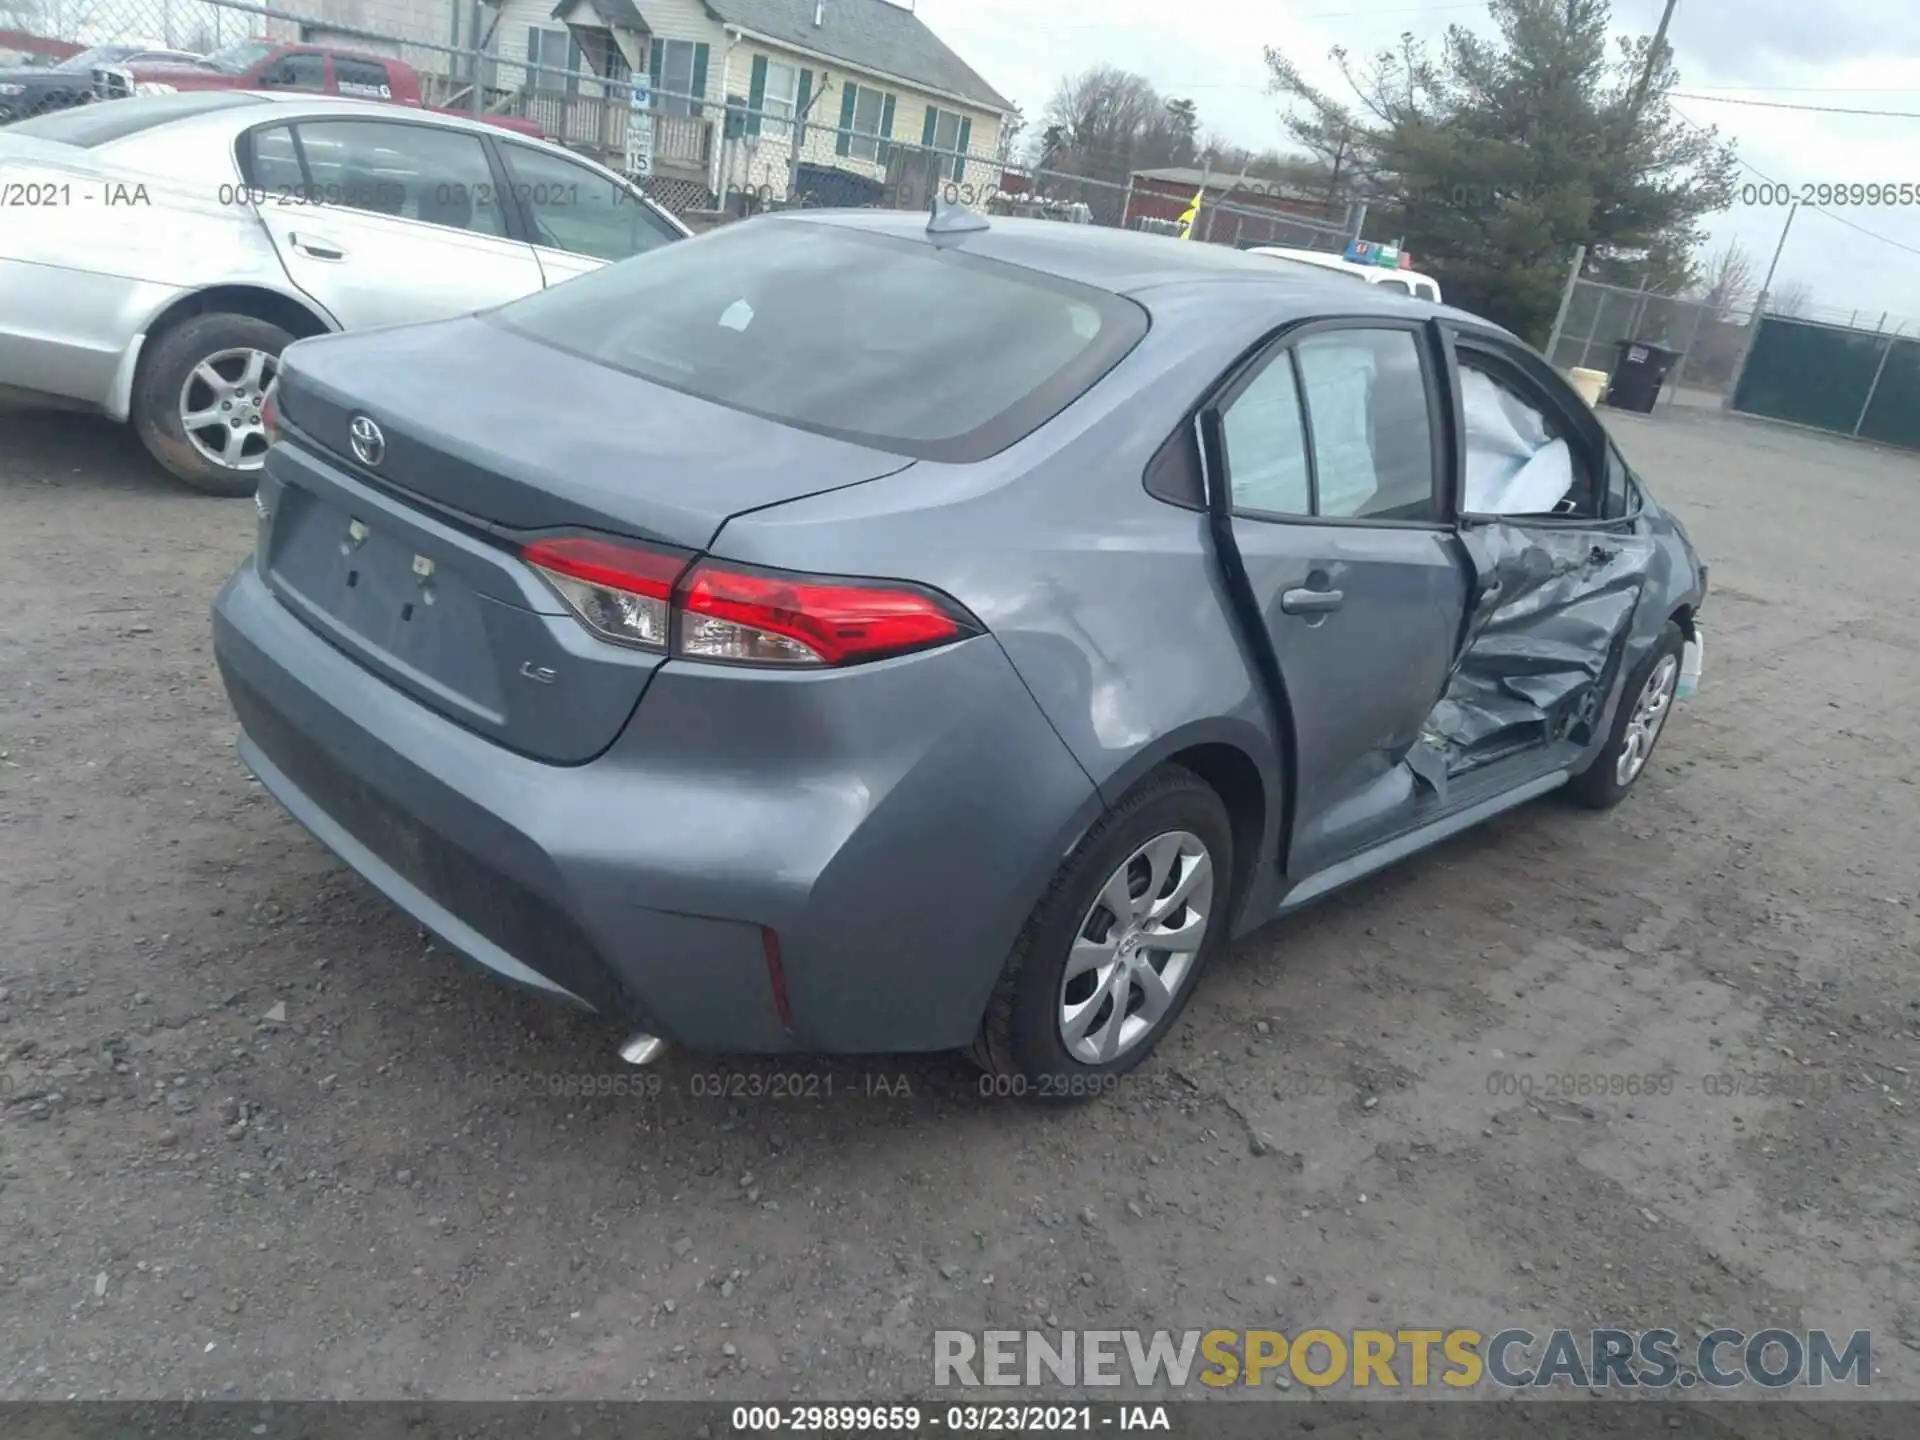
{"x":274,"y":65}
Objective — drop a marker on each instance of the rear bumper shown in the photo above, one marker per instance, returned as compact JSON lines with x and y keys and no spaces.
{"x":894,"y":825}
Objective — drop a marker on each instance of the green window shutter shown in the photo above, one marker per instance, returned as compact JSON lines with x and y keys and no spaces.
{"x":844,"y":145}
{"x":656,"y":52}
{"x":699,"y":76}
{"x":884,"y":151}
{"x":927,"y":129}
{"x":756,"y":94}
{"x":960,"y":160}
{"x":801,"y":100}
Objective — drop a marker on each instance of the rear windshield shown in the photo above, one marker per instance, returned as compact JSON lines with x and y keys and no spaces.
{"x":91,"y":125}
{"x":885,"y":341}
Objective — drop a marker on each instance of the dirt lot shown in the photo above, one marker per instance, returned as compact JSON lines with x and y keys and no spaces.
{"x":260,"y":1138}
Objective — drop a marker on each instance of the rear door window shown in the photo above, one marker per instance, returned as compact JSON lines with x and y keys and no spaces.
{"x":886,"y":341}
{"x":411,"y":172}
{"x":1337,"y":426}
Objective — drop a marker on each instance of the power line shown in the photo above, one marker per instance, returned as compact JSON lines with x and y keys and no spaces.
{"x":1304,"y":15}
{"x":1851,"y":225}
{"x":1819,"y":89}
{"x":1792,"y":105}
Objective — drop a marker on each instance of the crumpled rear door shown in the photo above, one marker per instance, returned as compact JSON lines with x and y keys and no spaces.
{"x":1543,"y":637}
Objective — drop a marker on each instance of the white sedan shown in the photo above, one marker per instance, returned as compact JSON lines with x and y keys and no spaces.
{"x":158,"y":253}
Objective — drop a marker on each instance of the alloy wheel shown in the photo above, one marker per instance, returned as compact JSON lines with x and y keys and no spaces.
{"x":220,"y":407}
{"x":1135,"y":947}
{"x":1649,"y":716}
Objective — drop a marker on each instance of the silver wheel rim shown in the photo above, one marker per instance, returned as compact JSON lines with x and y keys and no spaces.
{"x":1650,"y":713}
{"x":1135,"y":947}
{"x":220,"y":407}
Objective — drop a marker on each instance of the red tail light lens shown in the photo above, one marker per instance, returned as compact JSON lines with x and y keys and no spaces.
{"x":270,"y":413}
{"x":620,"y":592}
{"x":761,"y":617}
{"x":645,"y":596}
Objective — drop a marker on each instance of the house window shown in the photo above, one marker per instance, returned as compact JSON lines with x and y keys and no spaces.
{"x":679,"y":76}
{"x":866,"y":119}
{"x":950,"y":135}
{"x":556,"y":54}
{"x":778,"y":101}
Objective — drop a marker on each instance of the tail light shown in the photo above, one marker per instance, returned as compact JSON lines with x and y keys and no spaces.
{"x":620,"y":592}
{"x":650,"y":597}
{"x":270,"y":413}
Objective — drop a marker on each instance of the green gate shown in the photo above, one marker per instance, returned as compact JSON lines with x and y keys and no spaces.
{"x":1862,"y":383}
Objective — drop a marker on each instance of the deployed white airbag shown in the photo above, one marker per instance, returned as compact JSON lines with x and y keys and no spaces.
{"x":1514,"y":467}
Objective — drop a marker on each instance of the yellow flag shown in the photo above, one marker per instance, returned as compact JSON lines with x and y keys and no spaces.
{"x":1192,"y":214}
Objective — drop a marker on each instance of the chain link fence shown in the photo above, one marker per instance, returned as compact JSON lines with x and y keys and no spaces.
{"x":711,"y":132}
{"x":1597,"y":320}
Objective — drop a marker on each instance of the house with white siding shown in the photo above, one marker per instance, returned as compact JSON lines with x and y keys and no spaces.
{"x":758,"y":95}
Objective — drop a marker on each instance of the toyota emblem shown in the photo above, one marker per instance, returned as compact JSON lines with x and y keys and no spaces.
{"x":369,"y":445}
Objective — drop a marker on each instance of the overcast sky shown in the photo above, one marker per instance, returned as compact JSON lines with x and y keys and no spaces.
{"x":1862,"y":55}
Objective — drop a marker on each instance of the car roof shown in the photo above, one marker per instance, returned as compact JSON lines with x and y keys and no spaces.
{"x":1330,"y":261}
{"x":1148,"y":268}
{"x":243,"y":109}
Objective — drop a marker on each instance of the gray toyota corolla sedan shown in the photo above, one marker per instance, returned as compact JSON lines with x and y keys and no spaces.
{"x":872,"y":631}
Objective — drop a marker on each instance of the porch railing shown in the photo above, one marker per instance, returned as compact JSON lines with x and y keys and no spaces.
{"x":598,"y":122}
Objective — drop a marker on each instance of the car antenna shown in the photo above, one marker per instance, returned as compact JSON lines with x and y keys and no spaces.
{"x":946,"y":217}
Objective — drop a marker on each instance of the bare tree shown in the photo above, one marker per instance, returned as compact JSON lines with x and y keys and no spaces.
{"x":1009,"y":143}
{"x":1729,"y":280}
{"x":1108,"y":122}
{"x":53,"y":19}
{"x":1793,"y":297}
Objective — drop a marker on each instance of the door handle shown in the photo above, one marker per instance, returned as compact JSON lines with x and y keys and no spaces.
{"x":1311,"y":602}
{"x":316,"y":247}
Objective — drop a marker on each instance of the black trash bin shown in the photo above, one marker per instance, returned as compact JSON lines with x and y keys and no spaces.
{"x":1638,"y":377}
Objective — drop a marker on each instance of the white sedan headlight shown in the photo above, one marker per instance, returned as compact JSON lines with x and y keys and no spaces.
{"x":153,"y":87}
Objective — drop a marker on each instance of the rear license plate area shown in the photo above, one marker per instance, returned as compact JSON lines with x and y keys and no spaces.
{"x":362,"y":581}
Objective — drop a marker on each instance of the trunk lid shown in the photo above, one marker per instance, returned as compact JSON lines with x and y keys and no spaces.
{"x":410,"y":564}
{"x":519,"y":434}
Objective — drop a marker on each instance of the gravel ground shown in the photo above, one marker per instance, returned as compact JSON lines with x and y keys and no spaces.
{"x":258,"y":1137}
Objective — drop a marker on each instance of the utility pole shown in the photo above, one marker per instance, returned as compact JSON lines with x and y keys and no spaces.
{"x":1653,"y":59}
{"x":1766,"y":285}
{"x":1759,"y":311}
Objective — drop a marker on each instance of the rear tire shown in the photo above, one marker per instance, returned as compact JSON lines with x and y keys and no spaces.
{"x":1640,"y":719}
{"x":206,"y":368}
{"x":1087,"y":994}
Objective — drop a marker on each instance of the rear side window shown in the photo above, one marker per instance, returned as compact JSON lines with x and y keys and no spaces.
{"x":91,"y":125}
{"x":885,"y":341}
{"x":573,"y":208}
{"x":361,"y":77}
{"x":302,"y":70}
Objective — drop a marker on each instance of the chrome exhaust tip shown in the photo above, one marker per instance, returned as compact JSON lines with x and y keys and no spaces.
{"x":642,"y":1049}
